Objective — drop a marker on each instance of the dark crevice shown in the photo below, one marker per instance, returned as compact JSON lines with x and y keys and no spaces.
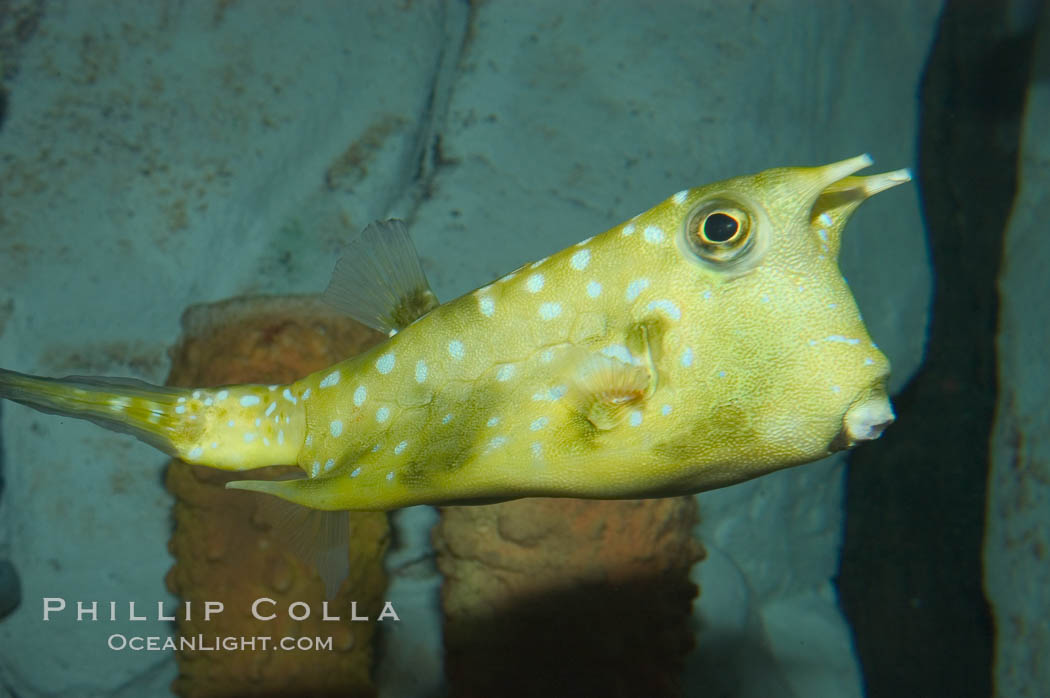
{"x":911,"y":573}
{"x":427,"y":156}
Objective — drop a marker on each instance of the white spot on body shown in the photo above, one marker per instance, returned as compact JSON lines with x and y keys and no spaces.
{"x":249,"y":400}
{"x":628,"y":230}
{"x":329,"y":464}
{"x":581,"y":243}
{"x":721,"y":374}
{"x":357,"y":471}
{"x":197,"y":452}
{"x":181,"y":400}
{"x":497,"y":441}
{"x":687,"y":357}
{"x":315,"y":468}
{"x":580,"y":260}
{"x":196,"y":395}
{"x":258,"y":421}
{"x":823,"y":235}
{"x":287,"y":394}
{"x":824,"y":218}
{"x":594,"y":289}
{"x":549,"y":311}
{"x":653,"y":235}
{"x":382,"y":414}
{"x":231,"y":424}
{"x":208,"y":402}
{"x":248,"y":437}
{"x":868,"y":361}
{"x":359,"y":395}
{"x":667,"y":307}
{"x":309,"y":439}
{"x":330,"y":380}
{"x":539,"y":423}
{"x":179,"y":409}
{"x":505,"y":372}
{"x":280,"y":437}
{"x":679,"y":197}
{"x":547,"y":356}
{"x":493,"y":421}
{"x":538,"y":263}
{"x":840,"y":338}
{"x":455,"y":349}
{"x":534,"y":284}
{"x":835,"y":389}
{"x":764,"y":298}
{"x":665,"y":410}
{"x":635,"y":288}
{"x":447,"y":418}
{"x":537,"y":449}
{"x":635,"y":420}
{"x":390,"y":475}
{"x":222,"y":395}
{"x":486,"y":305}
{"x":270,"y":408}
{"x":618,"y":352}
{"x":336,"y":427}
{"x":421,"y":371}
{"x":385,"y":363}
{"x":400,"y":448}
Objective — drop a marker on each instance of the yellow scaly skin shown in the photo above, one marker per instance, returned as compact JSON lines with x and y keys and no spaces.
{"x":624,"y":366}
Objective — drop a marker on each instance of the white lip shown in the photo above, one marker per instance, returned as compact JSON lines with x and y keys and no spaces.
{"x":866,"y":420}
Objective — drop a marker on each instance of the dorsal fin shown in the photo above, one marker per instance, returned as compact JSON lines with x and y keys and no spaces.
{"x":378,"y":281}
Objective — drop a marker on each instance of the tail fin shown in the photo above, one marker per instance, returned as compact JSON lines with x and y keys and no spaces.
{"x":232,"y":428}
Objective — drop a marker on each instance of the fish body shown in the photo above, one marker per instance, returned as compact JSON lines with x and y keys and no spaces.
{"x":704,"y":342}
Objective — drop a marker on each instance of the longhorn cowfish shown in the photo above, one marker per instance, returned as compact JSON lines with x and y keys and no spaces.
{"x":701,"y":343}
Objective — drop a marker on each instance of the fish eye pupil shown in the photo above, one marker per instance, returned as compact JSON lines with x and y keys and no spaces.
{"x":720,"y":227}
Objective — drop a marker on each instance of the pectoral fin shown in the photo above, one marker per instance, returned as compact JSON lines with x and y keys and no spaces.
{"x":605,"y":389}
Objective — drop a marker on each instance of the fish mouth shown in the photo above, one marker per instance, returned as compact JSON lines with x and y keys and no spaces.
{"x":865,"y":420}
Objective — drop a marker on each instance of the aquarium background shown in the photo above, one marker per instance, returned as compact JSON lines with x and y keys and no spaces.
{"x":159,"y":155}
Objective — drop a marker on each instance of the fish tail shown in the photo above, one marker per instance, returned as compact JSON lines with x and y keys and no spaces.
{"x":230,"y":428}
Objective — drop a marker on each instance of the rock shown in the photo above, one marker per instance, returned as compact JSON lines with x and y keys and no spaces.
{"x":567,"y":596}
{"x":1017,"y":544}
{"x":223,"y":542}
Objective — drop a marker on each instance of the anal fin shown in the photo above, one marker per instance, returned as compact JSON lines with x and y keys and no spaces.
{"x":320,"y":539}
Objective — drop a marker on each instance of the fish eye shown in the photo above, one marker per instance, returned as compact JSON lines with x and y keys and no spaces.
{"x":719,"y":231}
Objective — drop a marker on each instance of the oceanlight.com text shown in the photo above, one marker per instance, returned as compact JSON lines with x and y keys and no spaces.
{"x":200,"y":643}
